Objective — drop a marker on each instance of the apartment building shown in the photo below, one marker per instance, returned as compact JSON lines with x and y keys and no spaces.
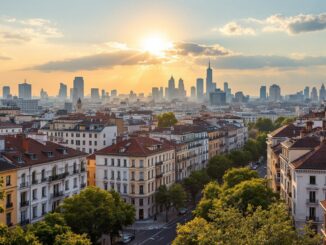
{"x":191,"y":145}
{"x":8,"y":177}
{"x":46,"y":173}
{"x":7,"y":128}
{"x":136,"y":168}
{"x":83,"y":133}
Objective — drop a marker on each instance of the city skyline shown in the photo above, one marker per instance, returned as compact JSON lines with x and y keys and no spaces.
{"x":249,"y":45}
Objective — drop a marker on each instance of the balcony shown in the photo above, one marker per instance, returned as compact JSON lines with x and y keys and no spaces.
{"x":24,"y":222}
{"x":82,"y":170}
{"x":82,"y":185}
{"x":159,"y":163}
{"x":44,"y":179}
{"x":57,"y":194}
{"x":9,"y":205}
{"x":159,"y":175}
{"x":24,"y":204}
{"x":24,"y":185}
{"x":312,"y":201}
{"x":312,"y":218}
{"x":58,"y":177}
{"x":34,"y":182}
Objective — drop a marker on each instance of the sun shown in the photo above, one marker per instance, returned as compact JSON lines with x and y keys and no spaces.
{"x":156,"y":45}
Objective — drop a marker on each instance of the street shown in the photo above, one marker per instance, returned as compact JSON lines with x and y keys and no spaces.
{"x":262,"y":171}
{"x":162,"y":236}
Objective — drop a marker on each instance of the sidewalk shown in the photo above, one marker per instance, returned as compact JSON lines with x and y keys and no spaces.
{"x":151,"y":224}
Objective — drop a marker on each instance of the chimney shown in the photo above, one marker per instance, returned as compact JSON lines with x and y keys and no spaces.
{"x":309,"y":125}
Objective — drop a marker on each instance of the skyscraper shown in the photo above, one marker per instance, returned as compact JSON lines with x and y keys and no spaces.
{"x":322,"y":93}
{"x":193,"y":92}
{"x":155,"y":93}
{"x":95,"y":94}
{"x":274,"y":93}
{"x":218,"y":98}
{"x":5,"y":92}
{"x":200,"y":88}
{"x":78,"y":89}
{"x":62,"y":91}
{"x":209,"y":79}
{"x":263,"y":94}
{"x":181,"y":88}
{"x":114,"y":93}
{"x":171,"y":88}
{"x":25,"y":91}
{"x":314,"y":94}
{"x":306,"y":92}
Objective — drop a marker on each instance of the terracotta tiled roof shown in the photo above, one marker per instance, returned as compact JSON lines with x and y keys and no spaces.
{"x":5,"y":165}
{"x":289,"y":131}
{"x":138,"y":146}
{"x":316,"y":159}
{"x":181,"y":129}
{"x":323,"y":204}
{"x":9,"y":125}
{"x":24,"y":151}
{"x":306,"y":142}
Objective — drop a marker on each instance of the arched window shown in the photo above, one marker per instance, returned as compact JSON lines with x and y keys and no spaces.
{"x":43,"y":174}
{"x":23,"y":178}
{"x":34,"y":177}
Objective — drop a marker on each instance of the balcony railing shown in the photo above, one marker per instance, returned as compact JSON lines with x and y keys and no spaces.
{"x":57,"y":194}
{"x":34,"y":182}
{"x":44,"y":179}
{"x":159,"y":175}
{"x":159,"y":163}
{"x":312,"y":218}
{"x":312,"y":201}
{"x":9,"y":205}
{"x":24,"y":222}
{"x":24,"y":203}
{"x":82,"y":170}
{"x":24,"y":184}
{"x":58,"y":176}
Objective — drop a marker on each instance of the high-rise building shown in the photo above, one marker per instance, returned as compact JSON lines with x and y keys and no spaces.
{"x":78,"y":89}
{"x":200,"y":88}
{"x":171,"y":89}
{"x":275,"y":93}
{"x":25,"y":91}
{"x":161,"y":93}
{"x":44,"y":94}
{"x":114,"y":93}
{"x":95,"y":93}
{"x":217,"y":98}
{"x":193,"y":92}
{"x":62,"y":91}
{"x":226,"y":87}
{"x":181,"y":89}
{"x":5,"y":92}
{"x":306,"y":92}
{"x":155,"y":93}
{"x":263,"y":93}
{"x":314,"y":94}
{"x":209,"y":79}
{"x":322,"y":93}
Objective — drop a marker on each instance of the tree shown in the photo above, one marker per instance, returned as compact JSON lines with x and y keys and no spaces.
{"x":17,"y":236}
{"x":217,"y":166}
{"x":167,"y":119}
{"x":163,"y":200}
{"x":177,"y":196}
{"x":252,"y":147}
{"x":96,"y":212}
{"x":264,"y":125}
{"x":229,"y":226}
{"x":254,"y":192}
{"x":239,"y":158}
{"x":195,"y":183}
{"x":71,"y":238}
{"x":235,"y":176}
{"x":47,"y":229}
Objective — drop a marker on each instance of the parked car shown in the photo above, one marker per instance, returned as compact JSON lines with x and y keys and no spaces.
{"x":183,"y":211}
{"x":125,"y":238}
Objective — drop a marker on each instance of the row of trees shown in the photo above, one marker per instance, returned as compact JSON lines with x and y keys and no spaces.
{"x":80,"y":220}
{"x":267,"y":125}
{"x":241,"y":209}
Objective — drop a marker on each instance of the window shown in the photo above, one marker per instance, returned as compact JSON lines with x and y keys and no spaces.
{"x":105,"y":161}
{"x":54,"y":171}
{"x":44,"y":191}
{"x":8,"y":219}
{"x":75,"y":167}
{"x":106,"y":186}
{"x":141,"y":163}
{"x":34,"y":194}
{"x":34,"y":212}
{"x":124,"y":175}
{"x":90,"y":135}
{"x":312,"y":180}
{"x":141,"y":189}
{"x":8,"y":180}
{"x":112,"y":174}
{"x":67,"y":185}
{"x":133,"y":163}
{"x":141,"y":203}
{"x":141,"y":176}
{"x":124,"y":162}
{"x":118,"y":177}
{"x":66,"y":169}
{"x":90,"y":142}
{"x":75,"y":182}
{"x":125,"y":188}
{"x":118,"y":162}
{"x":312,"y":213}
{"x":112,"y":162}
{"x":105,"y":174}
{"x":312,"y":196}
{"x":132,"y":175}
{"x":8,"y":200}
{"x":43,"y":208}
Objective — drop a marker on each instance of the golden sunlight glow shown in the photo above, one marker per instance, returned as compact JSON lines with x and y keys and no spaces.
{"x":156,"y":45}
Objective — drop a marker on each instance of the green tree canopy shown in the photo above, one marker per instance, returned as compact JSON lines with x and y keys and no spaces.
{"x":195,"y":183}
{"x":71,"y":238}
{"x":163,"y":199}
{"x":177,"y":196}
{"x":166,"y":119}
{"x":17,"y":236}
{"x":264,"y":125}
{"x":235,"y":176}
{"x":217,"y":166}
{"x":96,"y":212}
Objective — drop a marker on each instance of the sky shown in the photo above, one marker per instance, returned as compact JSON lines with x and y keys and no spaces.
{"x":138,"y":44}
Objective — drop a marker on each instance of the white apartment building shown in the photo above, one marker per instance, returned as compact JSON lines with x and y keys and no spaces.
{"x":191,"y":144}
{"x":47,"y":173}
{"x":303,"y":178}
{"x":7,"y":128}
{"x":81,"y":133}
{"x":136,"y":168}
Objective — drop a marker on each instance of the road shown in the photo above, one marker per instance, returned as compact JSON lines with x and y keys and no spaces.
{"x":262,"y":170}
{"x":162,"y":236}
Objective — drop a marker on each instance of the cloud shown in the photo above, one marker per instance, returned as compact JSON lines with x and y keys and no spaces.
{"x":194,"y":49}
{"x":234,"y":29}
{"x":26,"y":30}
{"x":2,"y":57}
{"x":295,"y":24}
{"x":100,"y":61}
{"x":243,"y":62}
